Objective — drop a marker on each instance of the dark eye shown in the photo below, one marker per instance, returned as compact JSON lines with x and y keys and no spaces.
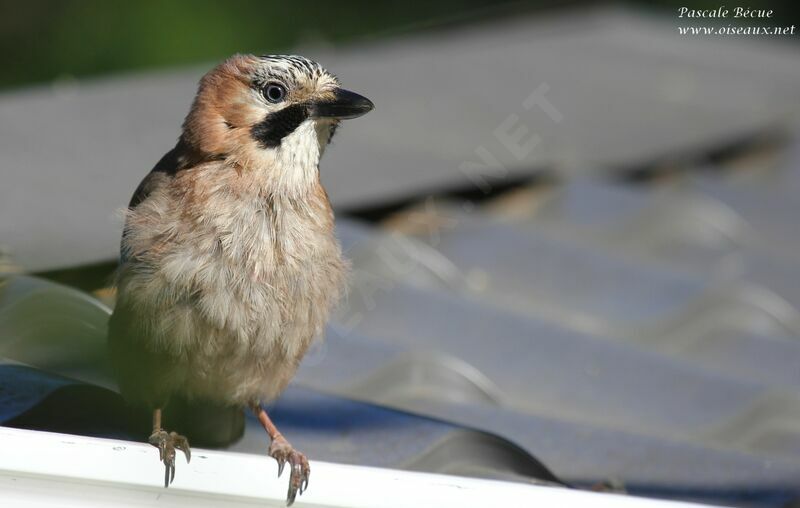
{"x":274,"y":92}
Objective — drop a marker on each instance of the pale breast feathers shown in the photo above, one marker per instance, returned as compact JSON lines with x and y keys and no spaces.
{"x":214,"y":266}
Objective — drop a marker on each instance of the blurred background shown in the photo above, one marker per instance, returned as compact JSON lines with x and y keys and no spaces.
{"x":44,"y":41}
{"x":574,"y":232}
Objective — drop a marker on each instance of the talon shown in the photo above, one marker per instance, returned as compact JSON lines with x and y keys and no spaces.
{"x":167,"y":443}
{"x":291,"y":496}
{"x":182,"y":444}
{"x":283,"y":453}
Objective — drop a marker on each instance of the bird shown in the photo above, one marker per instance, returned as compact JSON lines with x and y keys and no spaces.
{"x":229,"y":263}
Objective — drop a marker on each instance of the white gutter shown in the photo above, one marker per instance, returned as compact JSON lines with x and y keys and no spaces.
{"x":41,"y":469}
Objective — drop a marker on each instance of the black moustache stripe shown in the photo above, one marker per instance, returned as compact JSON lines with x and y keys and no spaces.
{"x":270,"y":132}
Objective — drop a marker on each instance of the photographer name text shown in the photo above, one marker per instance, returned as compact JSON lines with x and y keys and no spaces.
{"x":724,"y":12}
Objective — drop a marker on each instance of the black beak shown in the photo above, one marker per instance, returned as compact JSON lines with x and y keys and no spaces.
{"x":345,"y":104}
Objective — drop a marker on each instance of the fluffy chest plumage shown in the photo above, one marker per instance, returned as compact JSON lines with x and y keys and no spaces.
{"x":221,"y":271}
{"x":256,"y":257}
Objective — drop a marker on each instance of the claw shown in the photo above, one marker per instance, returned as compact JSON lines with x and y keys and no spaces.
{"x":299,"y":471}
{"x":298,"y":476}
{"x":182,"y":444}
{"x":167,"y":443}
{"x":290,"y":496}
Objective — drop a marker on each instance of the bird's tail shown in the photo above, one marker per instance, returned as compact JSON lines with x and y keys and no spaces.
{"x":206,"y":424}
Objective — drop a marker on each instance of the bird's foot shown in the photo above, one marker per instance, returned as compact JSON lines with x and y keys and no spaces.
{"x":299,"y":470}
{"x":167,"y":443}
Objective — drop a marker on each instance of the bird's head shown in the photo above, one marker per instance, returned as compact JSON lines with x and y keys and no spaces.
{"x":270,"y":111}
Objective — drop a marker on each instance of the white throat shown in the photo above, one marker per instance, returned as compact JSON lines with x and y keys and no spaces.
{"x":297,"y":160}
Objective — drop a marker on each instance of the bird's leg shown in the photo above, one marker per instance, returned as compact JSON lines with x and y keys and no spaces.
{"x":167,"y":443}
{"x":283,"y":452}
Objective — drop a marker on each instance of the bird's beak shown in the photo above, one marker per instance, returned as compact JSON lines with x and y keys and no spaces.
{"x":344,"y":104}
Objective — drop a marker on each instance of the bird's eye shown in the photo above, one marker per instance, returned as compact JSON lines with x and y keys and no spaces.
{"x":274,"y":92}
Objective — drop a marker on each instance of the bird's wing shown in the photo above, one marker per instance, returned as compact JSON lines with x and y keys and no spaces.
{"x":138,"y":369}
{"x":172,"y":162}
